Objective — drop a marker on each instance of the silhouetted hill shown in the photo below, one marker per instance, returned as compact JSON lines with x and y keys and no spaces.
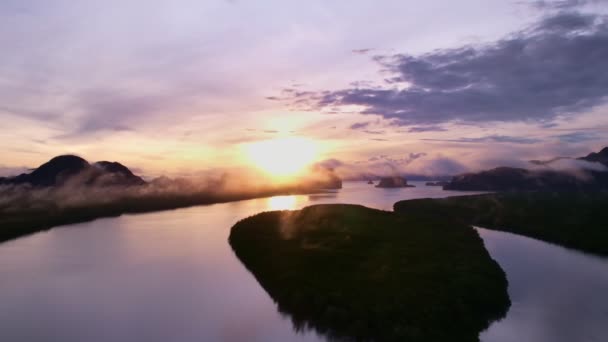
{"x":517,"y":179}
{"x":77,"y":171}
{"x":393,"y":182}
{"x":54,"y":172}
{"x":598,"y":157}
{"x":121,"y":174}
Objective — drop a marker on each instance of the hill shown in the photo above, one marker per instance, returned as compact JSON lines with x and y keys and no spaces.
{"x":74,"y":170}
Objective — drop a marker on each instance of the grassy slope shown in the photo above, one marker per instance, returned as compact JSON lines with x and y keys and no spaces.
{"x":575,"y":220}
{"x":351,"y":271}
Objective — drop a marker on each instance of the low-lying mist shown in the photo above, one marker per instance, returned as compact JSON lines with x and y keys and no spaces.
{"x":225,"y":185}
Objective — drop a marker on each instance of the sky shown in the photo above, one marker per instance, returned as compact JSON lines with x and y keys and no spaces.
{"x":176,"y":87}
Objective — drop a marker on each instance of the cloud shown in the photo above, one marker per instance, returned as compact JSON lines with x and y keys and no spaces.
{"x":373,"y":132}
{"x":409,"y":158}
{"x":360,"y":125}
{"x":568,"y":163}
{"x":410,"y":163}
{"x":420,"y":129}
{"x":566,"y":22}
{"x":331,"y":163}
{"x":6,"y":171}
{"x":546,"y":162}
{"x":443,"y":166}
{"x":564,"y":4}
{"x":577,"y":137}
{"x":554,"y":68}
{"x":361,"y":51}
{"x":492,"y":138}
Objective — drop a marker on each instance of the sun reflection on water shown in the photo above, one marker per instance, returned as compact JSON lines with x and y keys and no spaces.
{"x":282,"y":203}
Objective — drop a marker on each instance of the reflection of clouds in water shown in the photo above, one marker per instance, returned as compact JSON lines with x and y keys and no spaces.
{"x":282,"y":203}
{"x":554,"y":291}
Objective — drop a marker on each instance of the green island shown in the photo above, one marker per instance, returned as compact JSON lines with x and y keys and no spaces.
{"x":355,"y":273}
{"x":575,"y":220}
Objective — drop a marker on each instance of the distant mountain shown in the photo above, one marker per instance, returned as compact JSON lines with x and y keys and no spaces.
{"x":117,"y":173}
{"x":517,"y":179}
{"x":54,"y":172}
{"x":513,"y":179}
{"x":409,"y":176}
{"x":599,"y":157}
{"x":71,"y":169}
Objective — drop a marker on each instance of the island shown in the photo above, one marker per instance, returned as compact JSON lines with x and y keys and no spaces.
{"x":393,"y":182}
{"x":571,"y":219}
{"x":355,"y":273}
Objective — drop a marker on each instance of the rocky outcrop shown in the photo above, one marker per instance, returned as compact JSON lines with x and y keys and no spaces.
{"x":393,"y":182}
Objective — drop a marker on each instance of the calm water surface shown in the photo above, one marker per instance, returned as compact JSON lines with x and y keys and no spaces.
{"x":171,"y":276}
{"x":557,"y":295}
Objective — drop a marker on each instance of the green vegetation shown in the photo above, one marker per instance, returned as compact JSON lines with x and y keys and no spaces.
{"x":362,"y":274}
{"x":29,"y":212}
{"x":571,"y":219}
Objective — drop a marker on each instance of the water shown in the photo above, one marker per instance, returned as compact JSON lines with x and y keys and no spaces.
{"x":557,"y":295}
{"x":171,"y":276}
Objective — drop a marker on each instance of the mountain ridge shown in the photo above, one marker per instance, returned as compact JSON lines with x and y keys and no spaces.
{"x":72,"y":169}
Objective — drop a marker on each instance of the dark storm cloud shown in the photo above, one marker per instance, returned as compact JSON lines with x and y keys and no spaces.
{"x":556,"y":67}
{"x":491,"y":138}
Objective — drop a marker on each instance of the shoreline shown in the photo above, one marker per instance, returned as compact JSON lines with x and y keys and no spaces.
{"x":30,"y":221}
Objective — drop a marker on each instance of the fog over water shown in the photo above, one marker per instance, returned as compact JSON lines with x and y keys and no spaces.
{"x":172,"y":276}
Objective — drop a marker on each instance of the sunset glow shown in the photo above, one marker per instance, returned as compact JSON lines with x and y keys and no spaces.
{"x":282,"y":203}
{"x":284,"y":157}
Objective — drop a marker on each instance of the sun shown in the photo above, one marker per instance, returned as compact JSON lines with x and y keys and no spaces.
{"x":283,"y":158}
